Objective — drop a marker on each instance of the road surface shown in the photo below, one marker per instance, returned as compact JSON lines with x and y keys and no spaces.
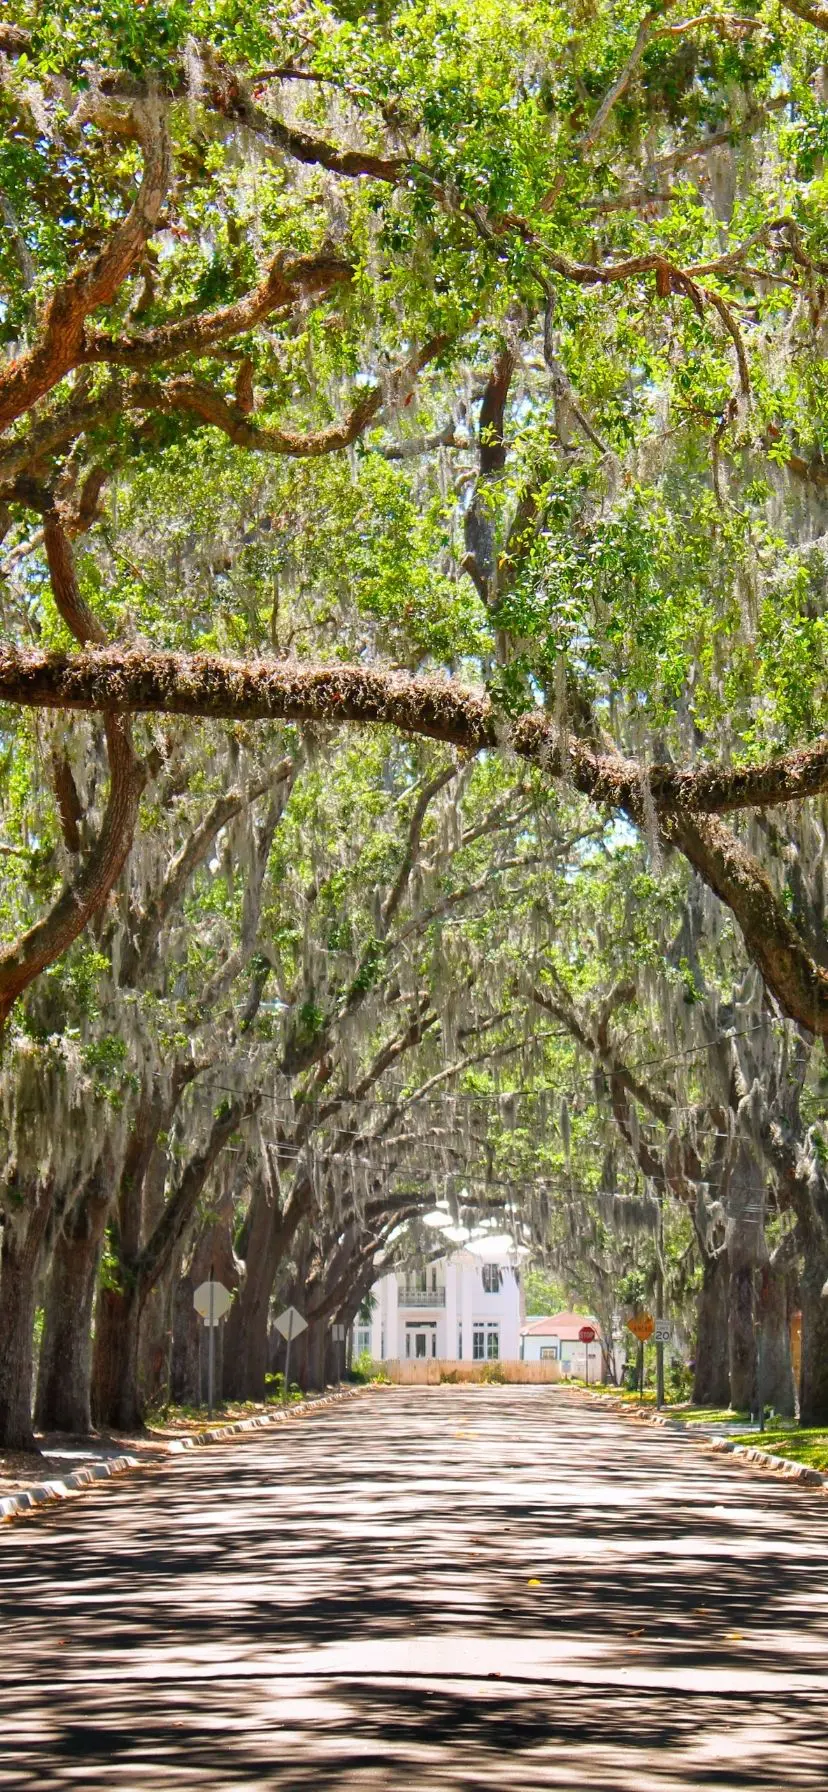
{"x":448,"y":1588}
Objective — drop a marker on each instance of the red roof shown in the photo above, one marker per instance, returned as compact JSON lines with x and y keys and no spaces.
{"x":559,"y":1325}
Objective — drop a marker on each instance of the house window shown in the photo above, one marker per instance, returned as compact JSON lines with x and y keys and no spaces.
{"x":363,"y":1341}
{"x":549,"y":1353}
{"x":492,"y":1278}
{"x":485,"y":1342}
{"x":434,"y":1278}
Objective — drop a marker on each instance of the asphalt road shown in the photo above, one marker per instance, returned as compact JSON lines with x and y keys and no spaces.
{"x":436,"y":1588}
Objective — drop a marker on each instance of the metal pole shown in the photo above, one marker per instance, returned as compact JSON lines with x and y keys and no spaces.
{"x":211,"y":1350}
{"x":660,"y":1303}
{"x":586,"y":1353}
{"x":287,"y":1360}
{"x":760,"y":1390}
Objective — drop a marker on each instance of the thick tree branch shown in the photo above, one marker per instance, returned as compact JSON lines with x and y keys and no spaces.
{"x":95,"y":283}
{"x":21,"y":963}
{"x":202,"y":685}
{"x":42,"y":944}
{"x":210,"y":407}
{"x":179,"y":1210}
{"x":135,"y":680}
{"x":790,"y":970}
{"x":289,"y":279}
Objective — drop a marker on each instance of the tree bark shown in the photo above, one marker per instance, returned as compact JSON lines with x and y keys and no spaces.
{"x":212,"y":1251}
{"x":711,"y":1380}
{"x":64,"y":1375}
{"x":813,"y":1386}
{"x":116,"y":1403}
{"x":117,"y":1398}
{"x":19,"y":1262}
{"x":742,"y":1339}
{"x":269,"y":1235}
{"x":776,"y":1385}
{"x":316,"y":1355}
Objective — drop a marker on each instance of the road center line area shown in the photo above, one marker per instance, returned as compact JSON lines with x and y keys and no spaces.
{"x":424,"y":1588}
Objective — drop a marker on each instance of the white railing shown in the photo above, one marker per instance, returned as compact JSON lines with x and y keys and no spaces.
{"x":416,"y":1297}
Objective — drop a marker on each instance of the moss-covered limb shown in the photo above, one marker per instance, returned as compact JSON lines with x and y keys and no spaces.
{"x":134,"y":680}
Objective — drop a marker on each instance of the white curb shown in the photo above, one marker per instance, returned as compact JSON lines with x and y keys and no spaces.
{"x":782,"y":1465}
{"x":795,"y":1471}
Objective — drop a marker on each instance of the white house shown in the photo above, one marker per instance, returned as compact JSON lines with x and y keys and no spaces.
{"x":466,"y":1307}
{"x":555,"y":1340}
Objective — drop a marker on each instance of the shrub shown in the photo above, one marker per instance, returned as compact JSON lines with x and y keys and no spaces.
{"x":493,"y":1375}
{"x":275,"y":1389}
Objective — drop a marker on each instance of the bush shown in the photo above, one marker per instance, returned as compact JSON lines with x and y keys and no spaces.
{"x":678,"y":1381}
{"x":363,"y":1368}
{"x":275,"y":1389}
{"x":493,"y":1375}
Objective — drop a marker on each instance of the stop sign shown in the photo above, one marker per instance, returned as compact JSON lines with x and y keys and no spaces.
{"x":587,"y":1334}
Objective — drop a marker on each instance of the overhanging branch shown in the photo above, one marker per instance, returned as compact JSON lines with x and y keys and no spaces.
{"x":136,"y":680}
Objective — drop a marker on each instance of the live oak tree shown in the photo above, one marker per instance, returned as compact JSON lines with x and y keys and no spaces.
{"x":453,"y":370}
{"x":498,"y":200}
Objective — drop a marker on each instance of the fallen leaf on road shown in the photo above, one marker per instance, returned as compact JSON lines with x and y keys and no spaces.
{"x":734,"y":1636}
{"x":534,"y":1583}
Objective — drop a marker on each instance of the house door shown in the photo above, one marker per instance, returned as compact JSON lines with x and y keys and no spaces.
{"x":420,"y":1343}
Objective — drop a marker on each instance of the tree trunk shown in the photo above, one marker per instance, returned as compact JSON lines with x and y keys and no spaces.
{"x":776,"y":1386}
{"x":185,"y":1381}
{"x":711,"y":1380}
{"x":742,"y":1339}
{"x":246,"y":1344}
{"x":63,"y":1386}
{"x":212,"y":1251}
{"x":316,"y":1355}
{"x":746,"y":1252}
{"x":19,"y":1262}
{"x":155,"y":1340}
{"x":813,"y":1386}
{"x":115,"y":1397}
{"x":246,"y":1340}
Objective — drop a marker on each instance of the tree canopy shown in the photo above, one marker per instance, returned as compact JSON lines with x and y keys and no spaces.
{"x":413,"y":681}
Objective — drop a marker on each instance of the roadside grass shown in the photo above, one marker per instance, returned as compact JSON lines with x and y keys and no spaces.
{"x":809,"y":1446}
{"x":175,"y":1417}
{"x":678,"y":1409}
{"x":711,"y":1415}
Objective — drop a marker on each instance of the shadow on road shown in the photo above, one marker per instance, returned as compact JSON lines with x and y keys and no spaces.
{"x":431,"y":1588}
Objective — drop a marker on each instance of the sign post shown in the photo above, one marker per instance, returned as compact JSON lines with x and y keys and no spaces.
{"x":291,"y":1325}
{"x":642,"y":1326}
{"x":662,"y":1334}
{"x":659,"y":1341}
{"x":587,"y":1336}
{"x":211,"y":1301}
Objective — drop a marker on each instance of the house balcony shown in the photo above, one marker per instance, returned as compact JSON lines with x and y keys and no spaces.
{"x":415,"y":1297}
